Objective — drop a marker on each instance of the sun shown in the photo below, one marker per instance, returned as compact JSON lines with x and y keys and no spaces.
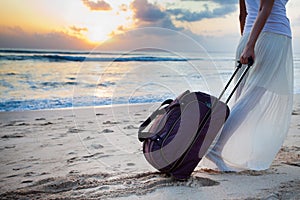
{"x":102,"y":26}
{"x":97,"y":27}
{"x":97,"y":34}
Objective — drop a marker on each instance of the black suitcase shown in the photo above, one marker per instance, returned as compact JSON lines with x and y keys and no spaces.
{"x":183,"y":129}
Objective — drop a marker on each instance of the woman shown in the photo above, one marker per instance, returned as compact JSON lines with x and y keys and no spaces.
{"x":260,"y":116}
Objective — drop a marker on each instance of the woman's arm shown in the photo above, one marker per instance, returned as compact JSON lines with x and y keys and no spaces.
{"x":262,"y":16}
{"x":243,"y":14}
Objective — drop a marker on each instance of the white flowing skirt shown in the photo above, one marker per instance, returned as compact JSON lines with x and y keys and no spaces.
{"x":261,"y":111}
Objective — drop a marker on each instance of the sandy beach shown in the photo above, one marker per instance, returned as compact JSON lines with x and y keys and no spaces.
{"x":93,"y":153}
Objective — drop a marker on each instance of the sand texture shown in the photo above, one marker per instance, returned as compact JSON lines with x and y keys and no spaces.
{"x":93,"y":153}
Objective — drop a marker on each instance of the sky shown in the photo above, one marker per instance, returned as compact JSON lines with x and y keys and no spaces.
{"x":125,"y":24}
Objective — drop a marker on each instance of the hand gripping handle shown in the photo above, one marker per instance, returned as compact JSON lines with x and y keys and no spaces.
{"x":250,"y":63}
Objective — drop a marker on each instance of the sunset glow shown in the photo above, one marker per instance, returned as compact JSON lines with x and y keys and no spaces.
{"x":82,"y":24}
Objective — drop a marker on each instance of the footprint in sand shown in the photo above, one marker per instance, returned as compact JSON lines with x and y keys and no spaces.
{"x":92,"y":155}
{"x":23,"y":124}
{"x":14,"y":123}
{"x":46,"y":124}
{"x":11,"y":176}
{"x":131,"y":127}
{"x":10,"y":146}
{"x":296,"y":112}
{"x":21,"y":167}
{"x":97,"y":146}
{"x":74,"y":130}
{"x":73,"y":159}
{"x":28,"y":174}
{"x":73,"y":172}
{"x":44,"y":173}
{"x":110,"y":122}
{"x":14,"y":135}
{"x":88,"y":138}
{"x":107,"y":131}
{"x":9,"y":124}
{"x":27,"y":181}
{"x":40,"y":119}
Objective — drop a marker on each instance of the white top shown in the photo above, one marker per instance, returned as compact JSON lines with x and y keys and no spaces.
{"x":277,"y":21}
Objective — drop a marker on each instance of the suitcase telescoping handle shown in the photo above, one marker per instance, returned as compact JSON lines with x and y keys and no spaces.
{"x":239,"y":66}
{"x":142,"y":135}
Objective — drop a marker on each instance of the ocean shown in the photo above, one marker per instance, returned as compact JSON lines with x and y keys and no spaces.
{"x":47,"y":79}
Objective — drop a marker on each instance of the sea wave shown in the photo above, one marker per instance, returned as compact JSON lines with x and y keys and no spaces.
{"x":79,"y":101}
{"x":39,"y":51}
{"x":65,"y":58}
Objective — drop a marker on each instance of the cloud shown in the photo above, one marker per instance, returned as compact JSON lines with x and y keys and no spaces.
{"x":123,"y":7}
{"x":168,"y":40}
{"x":151,"y":15}
{"x":77,"y":30}
{"x":16,"y":37}
{"x":146,"y":11}
{"x":149,"y":37}
{"x":145,"y":15}
{"x":99,"y":5}
{"x":154,"y":27}
{"x":217,"y":1}
{"x":186,"y":15}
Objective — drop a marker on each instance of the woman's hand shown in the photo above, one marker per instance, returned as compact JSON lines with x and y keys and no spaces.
{"x":247,"y":53}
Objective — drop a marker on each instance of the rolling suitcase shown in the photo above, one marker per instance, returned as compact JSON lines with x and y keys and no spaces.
{"x":182,"y":130}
